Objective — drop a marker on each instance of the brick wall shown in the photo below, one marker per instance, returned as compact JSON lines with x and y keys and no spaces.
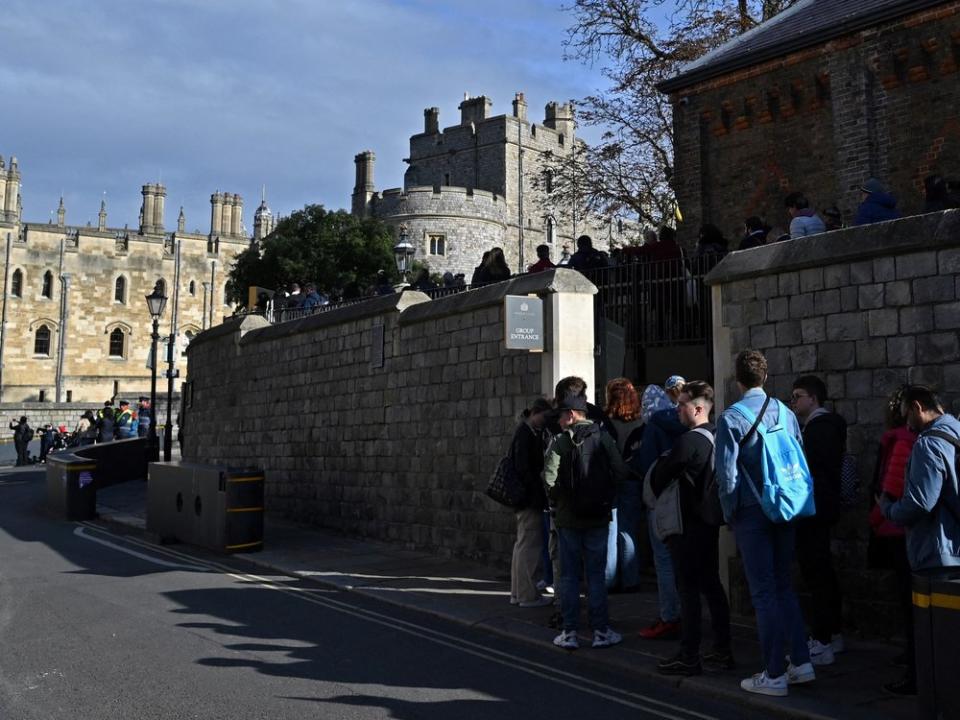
{"x":883,"y":102}
{"x":867,"y":309}
{"x":400,"y":452}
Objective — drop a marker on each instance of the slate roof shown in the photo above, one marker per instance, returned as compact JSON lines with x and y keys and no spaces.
{"x":807,"y":24}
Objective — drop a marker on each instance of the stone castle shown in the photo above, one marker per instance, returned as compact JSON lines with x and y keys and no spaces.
{"x":474,"y":186}
{"x":75,"y":326}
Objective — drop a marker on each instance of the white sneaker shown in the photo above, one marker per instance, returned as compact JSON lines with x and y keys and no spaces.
{"x":763,"y":684}
{"x":539,"y":602}
{"x":548,"y":590}
{"x":800,"y":674}
{"x":606,"y":638}
{"x":837,"y":643}
{"x":514,"y":601}
{"x":567,"y":640}
{"x":820,"y":654}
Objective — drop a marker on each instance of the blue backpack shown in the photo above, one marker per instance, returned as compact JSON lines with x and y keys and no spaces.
{"x":787,"y":486}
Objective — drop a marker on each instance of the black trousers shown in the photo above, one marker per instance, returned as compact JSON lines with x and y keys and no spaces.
{"x":816,"y":567}
{"x":696,"y":566}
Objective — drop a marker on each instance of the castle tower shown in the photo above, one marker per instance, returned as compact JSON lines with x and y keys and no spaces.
{"x":262,"y":219}
{"x":216,"y":211}
{"x":431,"y":121}
{"x":226,"y":215}
{"x":61,"y":214}
{"x":102,"y":216}
{"x":181,"y":221}
{"x":519,"y":106}
{"x":11,"y":200}
{"x":147,"y":210}
{"x":159,"y":199}
{"x":559,"y":117}
{"x":364,"y":188}
{"x":474,"y":110}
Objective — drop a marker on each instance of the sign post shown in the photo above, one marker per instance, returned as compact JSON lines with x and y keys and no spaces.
{"x":524,"y":320}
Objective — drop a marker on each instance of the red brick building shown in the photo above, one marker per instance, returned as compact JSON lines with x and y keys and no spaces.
{"x":818,"y":99}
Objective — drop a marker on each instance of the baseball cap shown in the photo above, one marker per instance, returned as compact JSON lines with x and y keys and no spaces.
{"x":674,"y":381}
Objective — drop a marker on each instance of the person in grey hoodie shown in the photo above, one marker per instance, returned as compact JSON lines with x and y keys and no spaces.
{"x":803,"y":220}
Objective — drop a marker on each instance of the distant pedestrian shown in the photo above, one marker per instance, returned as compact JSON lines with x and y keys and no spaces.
{"x":86,"y":430}
{"x":144,"y":416}
{"x":833,"y":218}
{"x":937,"y":195}
{"x":105,"y":426}
{"x":526,"y":451}
{"x":754,"y":233}
{"x":581,"y":469}
{"x":383,"y":285}
{"x":47,"y":437}
{"x":587,"y":257}
{"x":422,"y":281}
{"x":876,"y":204}
{"x":493,"y":269}
{"x":124,"y":422}
{"x":295,"y":297}
{"x":803,"y":220}
{"x":312,"y":300}
{"x":543,"y":260}
{"x":22,"y":435}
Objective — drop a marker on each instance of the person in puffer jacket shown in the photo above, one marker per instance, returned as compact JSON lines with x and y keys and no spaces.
{"x":803,"y":220}
{"x":876,"y":204}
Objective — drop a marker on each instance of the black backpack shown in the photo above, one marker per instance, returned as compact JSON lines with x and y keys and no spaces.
{"x":591,"y":484}
{"x":708,"y":504}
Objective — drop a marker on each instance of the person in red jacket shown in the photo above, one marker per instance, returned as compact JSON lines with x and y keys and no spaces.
{"x":888,"y":546}
{"x":543,"y":260}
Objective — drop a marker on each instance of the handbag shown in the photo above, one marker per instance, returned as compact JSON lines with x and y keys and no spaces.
{"x":505,"y":485}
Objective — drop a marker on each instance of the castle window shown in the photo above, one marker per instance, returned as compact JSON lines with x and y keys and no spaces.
{"x":120,"y":290}
{"x":551,"y":225}
{"x":117,"y":343}
{"x":16,"y":284}
{"x":438,"y":244}
{"x":446,"y":179}
{"x":47,"y":290}
{"x":226,"y":295}
{"x":548,"y":181}
{"x":41,"y":341}
{"x":192,"y":288}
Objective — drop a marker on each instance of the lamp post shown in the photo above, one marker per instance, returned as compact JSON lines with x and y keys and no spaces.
{"x":156,"y":301}
{"x":403,"y":253}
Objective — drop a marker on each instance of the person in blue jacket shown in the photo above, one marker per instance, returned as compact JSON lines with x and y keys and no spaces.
{"x":876,"y":204}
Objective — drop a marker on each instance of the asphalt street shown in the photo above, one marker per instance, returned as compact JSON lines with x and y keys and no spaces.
{"x":100,"y":625}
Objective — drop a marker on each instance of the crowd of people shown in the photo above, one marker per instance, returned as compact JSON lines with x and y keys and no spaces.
{"x":107,"y":424}
{"x":654,"y":474}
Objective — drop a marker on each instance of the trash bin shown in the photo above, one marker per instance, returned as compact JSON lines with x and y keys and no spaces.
{"x":170,"y":501}
{"x":936,"y":621}
{"x":71,"y":486}
{"x":244,"y":511}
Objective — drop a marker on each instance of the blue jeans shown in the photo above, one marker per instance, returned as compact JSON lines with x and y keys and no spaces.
{"x":628,"y":524}
{"x":666,"y":580}
{"x":610,"y":573}
{"x":579,"y":548}
{"x":767,"y":551}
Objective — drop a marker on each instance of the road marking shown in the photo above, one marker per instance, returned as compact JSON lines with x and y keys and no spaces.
{"x":81,"y":532}
{"x":572,"y":680}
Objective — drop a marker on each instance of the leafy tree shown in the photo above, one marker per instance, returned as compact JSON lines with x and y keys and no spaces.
{"x":639,"y":43}
{"x":337,"y":251}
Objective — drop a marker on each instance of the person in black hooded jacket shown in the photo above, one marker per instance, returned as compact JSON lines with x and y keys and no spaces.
{"x":824,"y":444}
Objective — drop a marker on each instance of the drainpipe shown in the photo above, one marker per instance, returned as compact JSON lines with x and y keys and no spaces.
{"x":3,"y":321}
{"x":62,"y":336}
{"x":213,"y":289}
{"x":520,"y":193}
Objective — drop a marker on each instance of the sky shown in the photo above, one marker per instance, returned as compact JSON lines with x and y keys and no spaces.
{"x":103,"y":96}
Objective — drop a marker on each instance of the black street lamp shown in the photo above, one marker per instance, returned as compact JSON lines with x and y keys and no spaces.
{"x":156,"y":302}
{"x":171,"y":374}
{"x":403,"y":253}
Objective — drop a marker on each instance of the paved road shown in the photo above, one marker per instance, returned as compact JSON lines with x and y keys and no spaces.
{"x":102,"y":626}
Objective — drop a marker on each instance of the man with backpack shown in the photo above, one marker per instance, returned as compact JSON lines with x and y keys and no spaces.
{"x":824,"y":444}
{"x":22,"y":435}
{"x":695,"y":551}
{"x":764,"y":483}
{"x":581,"y":469}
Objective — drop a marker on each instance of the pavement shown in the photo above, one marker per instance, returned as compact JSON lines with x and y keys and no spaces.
{"x":477,"y":596}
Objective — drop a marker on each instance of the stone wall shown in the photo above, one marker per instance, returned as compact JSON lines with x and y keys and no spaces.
{"x":400,"y":448}
{"x":866,"y":309}
{"x":882,"y":102}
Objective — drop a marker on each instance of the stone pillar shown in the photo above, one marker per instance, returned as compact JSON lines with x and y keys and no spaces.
{"x":11,"y":199}
{"x":159,"y":198}
{"x":431,"y":121}
{"x":226,"y":215}
{"x":568,"y":330}
{"x":236,"y":227}
{"x":102,"y":217}
{"x":216,"y":210}
{"x":146,"y":222}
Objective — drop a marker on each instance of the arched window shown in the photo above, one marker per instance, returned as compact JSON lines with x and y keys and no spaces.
{"x":117,"y":342}
{"x":47,"y":290}
{"x":192,"y":288}
{"x":550,"y":230}
{"x":226,"y":295}
{"x":41,"y":341}
{"x":120,"y":290}
{"x":16,"y":284}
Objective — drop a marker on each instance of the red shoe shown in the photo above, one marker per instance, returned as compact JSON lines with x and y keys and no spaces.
{"x":661,"y":630}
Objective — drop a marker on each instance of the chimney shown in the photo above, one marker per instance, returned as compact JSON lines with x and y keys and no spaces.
{"x":146,"y":219}
{"x":237,"y":224}
{"x":226,"y":215}
{"x":519,"y":106}
{"x":431,"y":121}
{"x":364,"y":188}
{"x":474,"y":110}
{"x":216,"y":210}
{"x":159,"y":198}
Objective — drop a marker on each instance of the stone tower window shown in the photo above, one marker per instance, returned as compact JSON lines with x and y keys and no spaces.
{"x":47,"y":290}
{"x":551,"y":226}
{"x":41,"y":341}
{"x":120,"y":290}
{"x":16,"y":284}
{"x":226,"y":295}
{"x":117,"y":343}
{"x":192,"y":288}
{"x":438,"y":244}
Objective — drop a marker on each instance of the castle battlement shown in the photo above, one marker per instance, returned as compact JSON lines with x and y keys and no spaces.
{"x":440,"y":190}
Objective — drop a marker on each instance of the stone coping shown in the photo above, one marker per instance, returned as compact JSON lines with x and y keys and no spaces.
{"x":543,"y":283}
{"x":932,"y":231}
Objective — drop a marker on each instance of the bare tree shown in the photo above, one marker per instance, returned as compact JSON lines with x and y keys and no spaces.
{"x":640,"y":43}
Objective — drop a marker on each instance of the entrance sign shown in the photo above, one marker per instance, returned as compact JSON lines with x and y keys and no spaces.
{"x":524,"y":318}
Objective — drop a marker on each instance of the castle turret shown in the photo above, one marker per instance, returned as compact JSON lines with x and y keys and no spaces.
{"x":216,"y":211}
{"x":61,"y":214}
{"x":262,"y":219}
{"x":519,"y":106}
{"x":431,"y":121}
{"x":559,"y":117}
{"x":181,"y":221}
{"x":159,"y":199}
{"x":473,"y":110}
{"x":363,"y":189}
{"x":11,"y":200}
{"x":102,"y":216}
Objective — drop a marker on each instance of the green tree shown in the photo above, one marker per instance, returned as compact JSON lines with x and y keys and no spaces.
{"x":639,"y":44}
{"x":337,"y":251}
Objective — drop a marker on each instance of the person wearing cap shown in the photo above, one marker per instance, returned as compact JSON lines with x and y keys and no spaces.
{"x":583,"y":539}
{"x":144,"y":416}
{"x":124,"y":421}
{"x":659,"y":434}
{"x":876,"y":204}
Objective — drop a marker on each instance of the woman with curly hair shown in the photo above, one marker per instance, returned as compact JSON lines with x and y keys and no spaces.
{"x":623,"y":411}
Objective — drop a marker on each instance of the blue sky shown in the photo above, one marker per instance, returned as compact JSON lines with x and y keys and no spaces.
{"x":106,"y":95}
